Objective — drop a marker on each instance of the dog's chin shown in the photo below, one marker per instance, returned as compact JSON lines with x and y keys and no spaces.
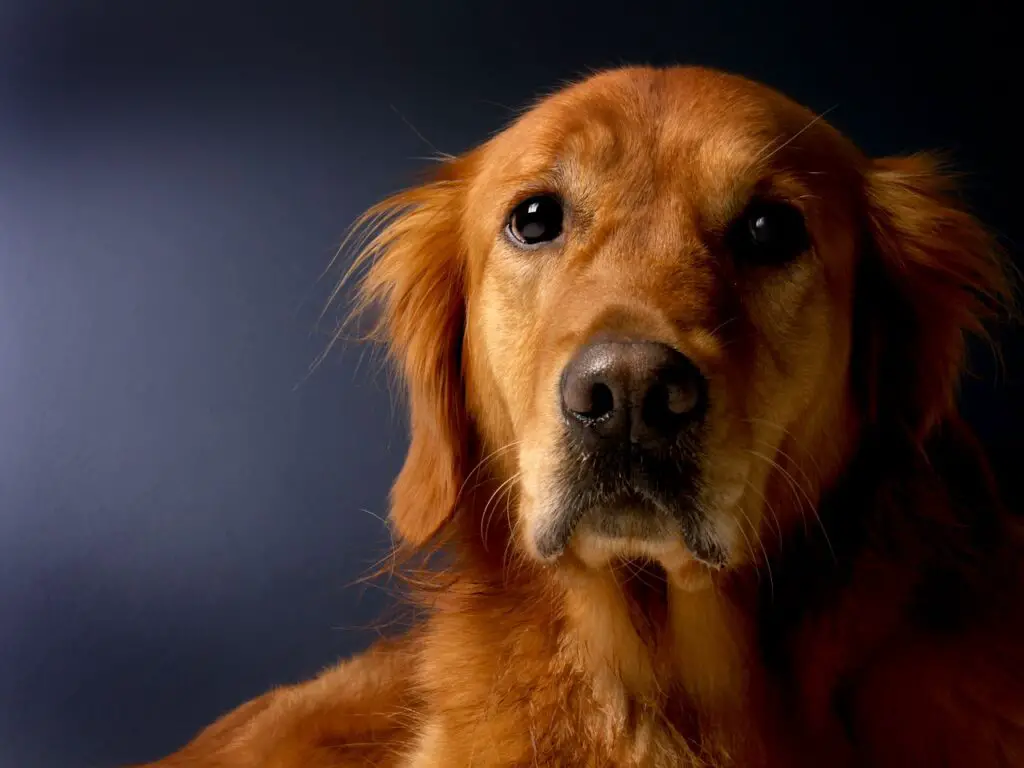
{"x":679,"y":540}
{"x":599,"y":550}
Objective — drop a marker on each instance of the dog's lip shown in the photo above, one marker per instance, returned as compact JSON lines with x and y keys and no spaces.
{"x":552,"y":541}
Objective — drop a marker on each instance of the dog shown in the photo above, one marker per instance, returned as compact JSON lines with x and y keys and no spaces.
{"x":681,"y":366}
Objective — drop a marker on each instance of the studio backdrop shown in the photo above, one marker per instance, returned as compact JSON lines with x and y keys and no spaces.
{"x":184,"y":503}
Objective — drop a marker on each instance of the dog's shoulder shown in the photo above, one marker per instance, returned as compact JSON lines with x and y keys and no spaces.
{"x":358,"y":712}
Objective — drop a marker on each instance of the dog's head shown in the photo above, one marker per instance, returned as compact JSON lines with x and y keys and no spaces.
{"x":659,"y":309}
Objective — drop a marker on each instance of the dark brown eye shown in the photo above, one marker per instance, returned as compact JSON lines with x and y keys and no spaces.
{"x":769,"y":232}
{"x":536,"y":220}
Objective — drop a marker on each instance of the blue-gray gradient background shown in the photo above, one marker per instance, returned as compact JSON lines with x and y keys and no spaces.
{"x":181,"y":505}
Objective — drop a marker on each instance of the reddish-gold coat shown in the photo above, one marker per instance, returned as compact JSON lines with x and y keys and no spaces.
{"x":871,"y":612}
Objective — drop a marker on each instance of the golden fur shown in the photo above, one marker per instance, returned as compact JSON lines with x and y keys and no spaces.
{"x":869,"y":610}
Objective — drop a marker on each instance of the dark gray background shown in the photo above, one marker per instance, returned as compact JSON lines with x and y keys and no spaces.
{"x":181,"y":507}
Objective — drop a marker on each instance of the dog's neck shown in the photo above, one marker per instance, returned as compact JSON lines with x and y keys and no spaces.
{"x":686,"y":657}
{"x":714,"y":647}
{"x":651,"y":635}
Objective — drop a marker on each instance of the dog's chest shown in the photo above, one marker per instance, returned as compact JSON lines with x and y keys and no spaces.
{"x":601,"y":735}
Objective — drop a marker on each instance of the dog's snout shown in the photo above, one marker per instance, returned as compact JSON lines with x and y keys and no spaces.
{"x":638,"y":392}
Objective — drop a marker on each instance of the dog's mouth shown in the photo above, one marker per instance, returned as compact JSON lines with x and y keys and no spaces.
{"x":631,"y":503}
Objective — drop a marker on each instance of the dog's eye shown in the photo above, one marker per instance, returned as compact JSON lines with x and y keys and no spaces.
{"x":770,"y":232}
{"x":536,"y":220}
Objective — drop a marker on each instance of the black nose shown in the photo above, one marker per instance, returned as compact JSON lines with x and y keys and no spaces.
{"x":626,"y":391}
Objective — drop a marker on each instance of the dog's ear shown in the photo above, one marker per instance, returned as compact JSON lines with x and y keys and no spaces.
{"x":414,"y":282}
{"x":931,"y":277}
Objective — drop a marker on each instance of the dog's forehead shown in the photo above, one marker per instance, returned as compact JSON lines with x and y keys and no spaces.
{"x":694,"y":125}
{"x":643,"y":115}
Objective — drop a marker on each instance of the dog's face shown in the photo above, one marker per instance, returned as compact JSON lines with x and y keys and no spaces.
{"x":661,"y":290}
{"x":641,"y":310}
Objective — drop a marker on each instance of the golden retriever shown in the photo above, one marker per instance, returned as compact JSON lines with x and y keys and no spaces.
{"x":681,"y":364}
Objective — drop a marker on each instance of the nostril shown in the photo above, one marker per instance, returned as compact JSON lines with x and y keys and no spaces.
{"x":589,"y":387}
{"x":666,"y":406}
{"x":586,"y":399}
{"x":673,"y":398}
{"x":602,"y":402}
{"x":681,"y":398}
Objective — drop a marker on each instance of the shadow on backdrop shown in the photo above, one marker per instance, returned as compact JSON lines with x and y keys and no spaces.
{"x":181,"y":506}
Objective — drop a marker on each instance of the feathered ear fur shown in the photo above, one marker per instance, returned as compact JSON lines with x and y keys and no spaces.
{"x":415,"y":281}
{"x":931,"y":277}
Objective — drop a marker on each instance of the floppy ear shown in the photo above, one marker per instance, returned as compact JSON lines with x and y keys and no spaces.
{"x":414,"y":281}
{"x":931,"y":277}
